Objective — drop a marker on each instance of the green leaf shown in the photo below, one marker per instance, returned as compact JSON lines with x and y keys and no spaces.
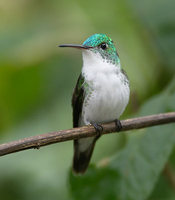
{"x":90,"y":187}
{"x":143,"y":160}
{"x":163,"y":190}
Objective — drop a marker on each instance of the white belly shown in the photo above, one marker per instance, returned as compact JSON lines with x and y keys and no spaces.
{"x":107,"y":100}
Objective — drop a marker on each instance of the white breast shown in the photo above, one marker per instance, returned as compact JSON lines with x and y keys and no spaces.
{"x":109,"y":94}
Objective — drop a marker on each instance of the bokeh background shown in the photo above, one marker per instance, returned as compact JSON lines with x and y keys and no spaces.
{"x":36,"y":84}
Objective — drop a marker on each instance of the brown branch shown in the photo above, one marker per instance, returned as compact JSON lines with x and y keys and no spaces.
{"x":85,"y":131}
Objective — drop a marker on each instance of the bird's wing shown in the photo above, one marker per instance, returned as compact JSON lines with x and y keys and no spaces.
{"x":77,"y":100}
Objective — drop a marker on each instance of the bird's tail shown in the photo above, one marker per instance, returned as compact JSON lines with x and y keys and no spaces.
{"x":82,"y":156}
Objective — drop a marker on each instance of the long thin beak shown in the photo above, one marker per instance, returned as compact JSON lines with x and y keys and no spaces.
{"x":75,"y":46}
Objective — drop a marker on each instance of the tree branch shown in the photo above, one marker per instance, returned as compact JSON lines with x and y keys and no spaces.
{"x":82,"y":132}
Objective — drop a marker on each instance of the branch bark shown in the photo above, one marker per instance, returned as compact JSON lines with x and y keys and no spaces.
{"x":86,"y":131}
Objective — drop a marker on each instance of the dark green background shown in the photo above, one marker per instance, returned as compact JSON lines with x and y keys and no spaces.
{"x":36,"y":84}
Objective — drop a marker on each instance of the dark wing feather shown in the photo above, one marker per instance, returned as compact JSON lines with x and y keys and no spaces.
{"x":77,"y":100}
{"x":81,"y":158}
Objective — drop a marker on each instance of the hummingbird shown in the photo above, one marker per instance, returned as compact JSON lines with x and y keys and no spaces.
{"x":100,"y":96}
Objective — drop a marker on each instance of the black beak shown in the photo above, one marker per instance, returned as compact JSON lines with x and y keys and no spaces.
{"x":75,"y":46}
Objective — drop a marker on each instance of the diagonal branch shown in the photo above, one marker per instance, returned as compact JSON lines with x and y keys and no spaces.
{"x":85,"y":131}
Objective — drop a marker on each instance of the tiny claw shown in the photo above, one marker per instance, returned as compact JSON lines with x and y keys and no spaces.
{"x":98,"y":128}
{"x":118,"y":125}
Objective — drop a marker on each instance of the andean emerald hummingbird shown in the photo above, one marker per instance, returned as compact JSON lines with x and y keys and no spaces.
{"x":101,"y":93}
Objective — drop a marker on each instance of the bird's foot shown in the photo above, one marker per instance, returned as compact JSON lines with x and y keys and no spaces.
{"x":98,"y":128}
{"x":118,"y":125}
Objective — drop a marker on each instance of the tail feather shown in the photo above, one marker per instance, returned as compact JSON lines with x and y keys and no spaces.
{"x":82,"y":158}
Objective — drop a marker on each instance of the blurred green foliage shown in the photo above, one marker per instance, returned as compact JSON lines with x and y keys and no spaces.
{"x":36,"y":84}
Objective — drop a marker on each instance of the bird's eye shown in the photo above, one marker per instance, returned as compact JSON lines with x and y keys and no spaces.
{"x":103,"y":46}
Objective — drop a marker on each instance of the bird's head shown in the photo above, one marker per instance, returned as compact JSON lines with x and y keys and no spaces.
{"x":99,"y":44}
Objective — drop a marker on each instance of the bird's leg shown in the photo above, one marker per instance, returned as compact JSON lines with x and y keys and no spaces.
{"x":98,"y":128}
{"x":118,"y":125}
